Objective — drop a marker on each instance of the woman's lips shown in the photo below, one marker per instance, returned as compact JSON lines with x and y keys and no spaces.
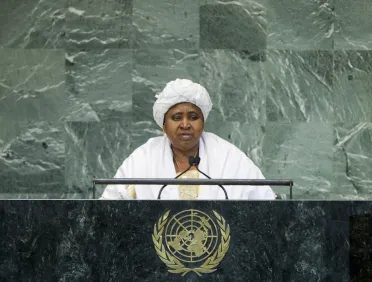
{"x":185,"y":136}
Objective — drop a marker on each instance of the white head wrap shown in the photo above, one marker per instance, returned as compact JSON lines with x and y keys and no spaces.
{"x":181,"y":91}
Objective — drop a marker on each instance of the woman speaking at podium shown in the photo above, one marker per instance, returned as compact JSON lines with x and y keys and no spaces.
{"x":181,"y":110}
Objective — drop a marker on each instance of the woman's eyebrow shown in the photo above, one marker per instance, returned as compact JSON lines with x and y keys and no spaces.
{"x":190,"y":112}
{"x":176,"y":113}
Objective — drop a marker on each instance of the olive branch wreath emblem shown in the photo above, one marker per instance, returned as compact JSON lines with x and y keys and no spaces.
{"x":177,"y":266}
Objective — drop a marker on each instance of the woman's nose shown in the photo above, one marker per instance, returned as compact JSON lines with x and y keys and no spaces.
{"x":185,"y":123}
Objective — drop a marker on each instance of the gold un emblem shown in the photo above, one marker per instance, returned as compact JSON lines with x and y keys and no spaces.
{"x":191,"y":241}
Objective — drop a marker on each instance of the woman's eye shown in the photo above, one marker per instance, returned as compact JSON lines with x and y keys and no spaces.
{"x":194,"y":117}
{"x":176,"y":118}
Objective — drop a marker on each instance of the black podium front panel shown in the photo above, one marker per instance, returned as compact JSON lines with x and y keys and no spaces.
{"x":95,"y":240}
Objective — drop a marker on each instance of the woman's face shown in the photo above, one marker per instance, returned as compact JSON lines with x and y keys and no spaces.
{"x":183,"y":124}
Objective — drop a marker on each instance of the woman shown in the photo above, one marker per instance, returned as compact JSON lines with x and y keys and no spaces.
{"x":181,"y":110}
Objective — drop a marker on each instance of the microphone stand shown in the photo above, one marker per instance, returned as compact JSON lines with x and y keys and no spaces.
{"x":162,"y":188}
{"x":195,"y":161}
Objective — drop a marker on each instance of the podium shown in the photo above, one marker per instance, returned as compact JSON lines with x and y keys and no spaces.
{"x":190,"y":181}
{"x":93,"y":240}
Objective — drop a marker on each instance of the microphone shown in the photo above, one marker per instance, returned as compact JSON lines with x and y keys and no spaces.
{"x":194,"y":161}
{"x":162,"y":188}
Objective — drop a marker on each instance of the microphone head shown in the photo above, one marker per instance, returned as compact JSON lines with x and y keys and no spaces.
{"x":194,"y":161}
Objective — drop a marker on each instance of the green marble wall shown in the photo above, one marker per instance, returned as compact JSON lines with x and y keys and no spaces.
{"x":291,"y":83}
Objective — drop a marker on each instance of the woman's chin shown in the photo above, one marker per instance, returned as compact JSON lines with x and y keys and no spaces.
{"x":186,"y":145}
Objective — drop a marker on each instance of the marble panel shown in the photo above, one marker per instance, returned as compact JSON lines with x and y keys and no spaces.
{"x":32,"y":24}
{"x":92,"y":24}
{"x":337,"y":242}
{"x":352,"y":160}
{"x":236,"y":83}
{"x":43,"y":196}
{"x":360,"y":248}
{"x":73,"y":63}
{"x":108,"y":240}
{"x":353,"y":25}
{"x":248,"y":137}
{"x":94,"y":149}
{"x":300,"y":25}
{"x":32,"y":85}
{"x":299,"y":86}
{"x":32,"y":158}
{"x":353,"y":86}
{"x":302,"y":152}
{"x":2,"y":132}
{"x":99,"y":84}
{"x":79,"y":110}
{"x":152,"y":70}
{"x":165,"y":24}
{"x":240,"y":25}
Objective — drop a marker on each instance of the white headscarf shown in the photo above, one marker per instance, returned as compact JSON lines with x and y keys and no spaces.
{"x":181,"y":91}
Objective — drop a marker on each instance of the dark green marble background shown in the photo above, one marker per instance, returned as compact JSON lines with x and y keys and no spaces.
{"x":291,"y":83}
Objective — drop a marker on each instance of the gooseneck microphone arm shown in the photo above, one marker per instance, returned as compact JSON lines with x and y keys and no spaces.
{"x":162,"y":188}
{"x":195,"y":161}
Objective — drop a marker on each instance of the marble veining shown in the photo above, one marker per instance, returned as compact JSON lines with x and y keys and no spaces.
{"x":290,"y":82}
{"x":111,"y":240}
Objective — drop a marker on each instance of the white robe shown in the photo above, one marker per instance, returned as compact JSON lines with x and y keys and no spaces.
{"x":218,"y":159}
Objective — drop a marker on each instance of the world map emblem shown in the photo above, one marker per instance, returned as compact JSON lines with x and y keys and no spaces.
{"x":191,"y":241}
